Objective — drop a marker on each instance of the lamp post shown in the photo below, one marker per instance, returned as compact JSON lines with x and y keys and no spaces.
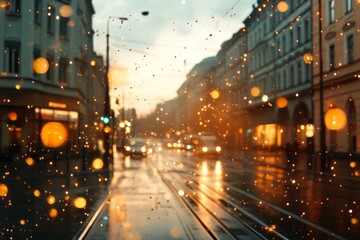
{"x":321,"y":95}
{"x":107,"y":111}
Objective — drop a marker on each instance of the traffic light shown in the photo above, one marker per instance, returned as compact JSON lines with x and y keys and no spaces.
{"x":105,"y":120}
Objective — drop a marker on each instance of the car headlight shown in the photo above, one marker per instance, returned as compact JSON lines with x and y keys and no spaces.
{"x":204,"y":149}
{"x":218,"y":148}
{"x":143,"y":149}
{"x":127,"y":148}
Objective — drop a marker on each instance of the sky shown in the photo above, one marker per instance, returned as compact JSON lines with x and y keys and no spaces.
{"x":150,"y":55}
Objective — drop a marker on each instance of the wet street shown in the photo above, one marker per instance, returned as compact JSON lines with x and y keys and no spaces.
{"x":186,"y":197}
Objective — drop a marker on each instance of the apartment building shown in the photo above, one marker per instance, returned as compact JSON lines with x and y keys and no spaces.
{"x":335,"y":45}
{"x":58,"y":36}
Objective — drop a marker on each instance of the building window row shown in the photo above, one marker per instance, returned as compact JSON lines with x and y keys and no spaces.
{"x":349,"y":52}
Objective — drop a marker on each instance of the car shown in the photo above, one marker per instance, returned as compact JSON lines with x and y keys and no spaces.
{"x":207,"y":145}
{"x":136,"y":147}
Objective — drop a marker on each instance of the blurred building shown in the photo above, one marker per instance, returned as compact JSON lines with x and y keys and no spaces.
{"x":340,"y":55}
{"x":195,"y":104}
{"x":40,"y":34}
{"x":279,"y":90}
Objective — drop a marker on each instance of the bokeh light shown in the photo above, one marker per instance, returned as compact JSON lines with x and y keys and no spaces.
{"x":282,"y":6}
{"x":107,"y":129}
{"x":215,"y":94}
{"x":12,"y":116}
{"x":50,"y":199}
{"x":181,"y":192}
{"x":308,"y":58}
{"x":41,"y":65}
{"x":265,"y":98}
{"x":53,"y":134}
{"x":37,"y":193}
{"x":97,"y":163}
{"x":335,"y":119}
{"x":53,"y":213}
{"x":281,"y":102}
{"x":66,"y":11}
{"x":80,"y":202}
{"x":4,"y":3}
{"x":30,"y":161}
{"x":22,"y":221}
{"x":3,"y":190}
{"x":255,"y":91}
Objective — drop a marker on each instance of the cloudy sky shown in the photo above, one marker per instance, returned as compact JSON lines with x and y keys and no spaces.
{"x":152,"y":54}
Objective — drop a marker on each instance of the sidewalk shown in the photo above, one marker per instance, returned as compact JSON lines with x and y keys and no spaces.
{"x":301,"y":162}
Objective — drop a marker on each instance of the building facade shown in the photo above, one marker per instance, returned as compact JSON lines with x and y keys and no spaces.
{"x":56,"y":37}
{"x":279,"y":90}
{"x":339,"y":37}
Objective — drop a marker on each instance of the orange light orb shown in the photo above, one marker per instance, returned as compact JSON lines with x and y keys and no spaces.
{"x":4,"y":3}
{"x":80,"y":202}
{"x":30,"y":161}
{"x":282,"y":6}
{"x":37,"y":193}
{"x":3,"y":190}
{"x":53,"y":134}
{"x":53,"y":213}
{"x":12,"y":116}
{"x":107,"y":129}
{"x":215,"y":94}
{"x":97,"y":163}
{"x":22,"y":221}
{"x":335,"y":119}
{"x":308,"y":58}
{"x":66,"y":11}
{"x":281,"y":102}
{"x":41,"y":65}
{"x":50,"y":199}
{"x":255,"y":91}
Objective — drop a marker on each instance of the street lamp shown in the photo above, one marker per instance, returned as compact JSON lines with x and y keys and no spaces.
{"x":321,"y":93}
{"x":108,"y":154}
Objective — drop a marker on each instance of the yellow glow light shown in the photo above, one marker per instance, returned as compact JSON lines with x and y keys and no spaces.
{"x":66,"y":11}
{"x":107,"y":129}
{"x":41,"y":65}
{"x":22,"y":221}
{"x":93,"y":63}
{"x":265,"y":98}
{"x":335,"y":119}
{"x":97,"y":163}
{"x":50,"y":199}
{"x":309,"y":130}
{"x":308,"y":58}
{"x":215,"y":94}
{"x":181,"y":192}
{"x":37,"y":193}
{"x":53,"y":213}
{"x":30,"y":161}
{"x":80,"y":202}
{"x":4,"y":3}
{"x":3,"y":190}
{"x":53,"y":134}
{"x":281,"y":102}
{"x":255,"y":91}
{"x":17,"y":86}
{"x":282,"y":6}
{"x":352,"y":164}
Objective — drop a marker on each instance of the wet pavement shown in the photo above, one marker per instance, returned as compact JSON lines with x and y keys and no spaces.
{"x":141,"y":206}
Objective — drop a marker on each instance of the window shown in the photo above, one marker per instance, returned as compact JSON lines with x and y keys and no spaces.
{"x":291,"y":39}
{"x":298,"y":35}
{"x":348,"y":6}
{"x":12,"y":57}
{"x":350,"y":48}
{"x":37,"y":12}
{"x":331,"y":11}
{"x":284,"y":44}
{"x":331,"y":57}
{"x":63,"y":70}
{"x":51,"y":20}
{"x":292,"y":76}
{"x":299,"y":74}
{"x":37,"y":54}
{"x":307,"y":30}
{"x":50,"y":73}
{"x":14,"y":7}
{"x":64,"y":28}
